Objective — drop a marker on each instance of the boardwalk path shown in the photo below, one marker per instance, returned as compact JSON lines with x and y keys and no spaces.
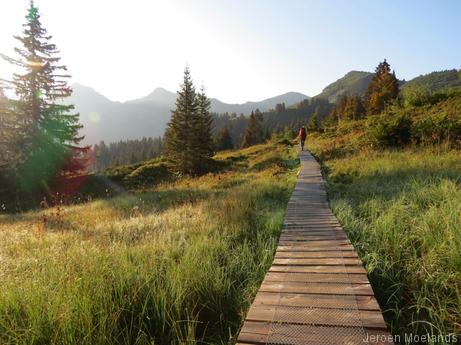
{"x":316,"y":291}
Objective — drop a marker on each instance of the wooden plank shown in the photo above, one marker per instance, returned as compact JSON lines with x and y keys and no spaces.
{"x":317,"y":269}
{"x":317,"y":243}
{"x":306,"y":235}
{"x":254,"y":332}
{"x":317,"y":300}
{"x":311,"y":232}
{"x":310,"y":238}
{"x":317,"y":261}
{"x":318,"y":254}
{"x":317,"y":277}
{"x":313,"y":248}
{"x":318,"y":288}
{"x":317,"y":316}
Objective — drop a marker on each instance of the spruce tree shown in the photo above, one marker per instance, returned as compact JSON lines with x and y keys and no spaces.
{"x":224,"y":140}
{"x":254,"y":132}
{"x":51,"y":140}
{"x":7,"y":133}
{"x":205,"y":145}
{"x":314,"y":121}
{"x":180,"y":135}
{"x":354,"y":108}
{"x":383,"y":88}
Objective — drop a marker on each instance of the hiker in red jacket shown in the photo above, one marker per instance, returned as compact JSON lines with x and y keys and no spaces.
{"x":302,"y":134}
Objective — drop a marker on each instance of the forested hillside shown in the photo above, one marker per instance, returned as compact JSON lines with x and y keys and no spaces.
{"x":436,"y":81}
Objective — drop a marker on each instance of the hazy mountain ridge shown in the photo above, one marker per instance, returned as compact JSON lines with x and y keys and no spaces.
{"x":103,"y":119}
{"x":163,"y":96}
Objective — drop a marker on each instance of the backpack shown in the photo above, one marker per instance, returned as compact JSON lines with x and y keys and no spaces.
{"x":302,"y":134}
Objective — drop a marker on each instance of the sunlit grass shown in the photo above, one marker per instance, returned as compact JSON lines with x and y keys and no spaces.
{"x":178,"y":264}
{"x":402,"y":210}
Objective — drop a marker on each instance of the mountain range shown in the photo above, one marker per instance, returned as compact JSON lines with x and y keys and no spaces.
{"x":103,"y":119}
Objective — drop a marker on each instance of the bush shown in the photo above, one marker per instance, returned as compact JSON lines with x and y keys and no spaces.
{"x":118,"y":173}
{"x":349,"y":126}
{"x":388,"y":130}
{"x":285,"y":142}
{"x":147,"y":175}
{"x":436,"y":128}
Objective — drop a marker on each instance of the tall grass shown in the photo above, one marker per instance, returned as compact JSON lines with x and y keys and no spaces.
{"x":402,"y":210}
{"x":176,"y":265}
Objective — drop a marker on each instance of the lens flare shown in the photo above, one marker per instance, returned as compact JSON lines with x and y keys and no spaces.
{"x":95,"y":117}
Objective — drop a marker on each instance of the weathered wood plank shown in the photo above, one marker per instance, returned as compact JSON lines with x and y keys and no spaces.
{"x":316,"y":316}
{"x":317,"y":300}
{"x":317,"y":269}
{"x":313,"y":248}
{"x":317,"y":261}
{"x":317,"y":277}
{"x":316,"y":254}
{"x":318,"y":288}
{"x":254,"y":332}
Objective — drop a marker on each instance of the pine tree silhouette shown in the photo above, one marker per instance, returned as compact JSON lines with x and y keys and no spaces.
{"x":224,"y":140}
{"x":188,"y":141}
{"x":203,"y":132}
{"x":50,"y":142}
{"x":254,"y":132}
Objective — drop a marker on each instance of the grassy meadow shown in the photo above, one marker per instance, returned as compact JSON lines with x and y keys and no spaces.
{"x":175,"y":264}
{"x":402,"y":210}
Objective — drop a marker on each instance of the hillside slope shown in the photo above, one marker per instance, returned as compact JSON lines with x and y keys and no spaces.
{"x":437,"y":81}
{"x":354,"y":82}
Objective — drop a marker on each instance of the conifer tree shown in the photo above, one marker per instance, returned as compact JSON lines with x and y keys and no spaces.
{"x":349,"y":108}
{"x":181,"y":148}
{"x":50,"y":141}
{"x":354,"y":109}
{"x":383,"y":88}
{"x":314,"y":121}
{"x":224,"y":140}
{"x":254,"y":132}
{"x":203,"y":134}
{"x":9,"y":147}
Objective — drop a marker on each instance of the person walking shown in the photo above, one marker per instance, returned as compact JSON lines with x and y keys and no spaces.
{"x":302,"y":134}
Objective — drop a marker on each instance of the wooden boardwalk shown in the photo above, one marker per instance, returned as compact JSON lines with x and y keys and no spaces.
{"x":316,"y":291}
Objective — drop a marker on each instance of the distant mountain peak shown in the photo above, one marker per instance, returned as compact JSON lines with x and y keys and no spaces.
{"x":84,"y":91}
{"x":159,"y":95}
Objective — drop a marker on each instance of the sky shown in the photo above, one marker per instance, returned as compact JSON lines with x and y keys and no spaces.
{"x":240,"y":50}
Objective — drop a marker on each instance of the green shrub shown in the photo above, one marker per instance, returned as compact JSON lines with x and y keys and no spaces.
{"x":147,"y":175}
{"x":417,"y":96}
{"x":437,"y":128}
{"x":285,"y":142}
{"x":349,"y":126}
{"x":118,"y":173}
{"x":388,"y":130}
